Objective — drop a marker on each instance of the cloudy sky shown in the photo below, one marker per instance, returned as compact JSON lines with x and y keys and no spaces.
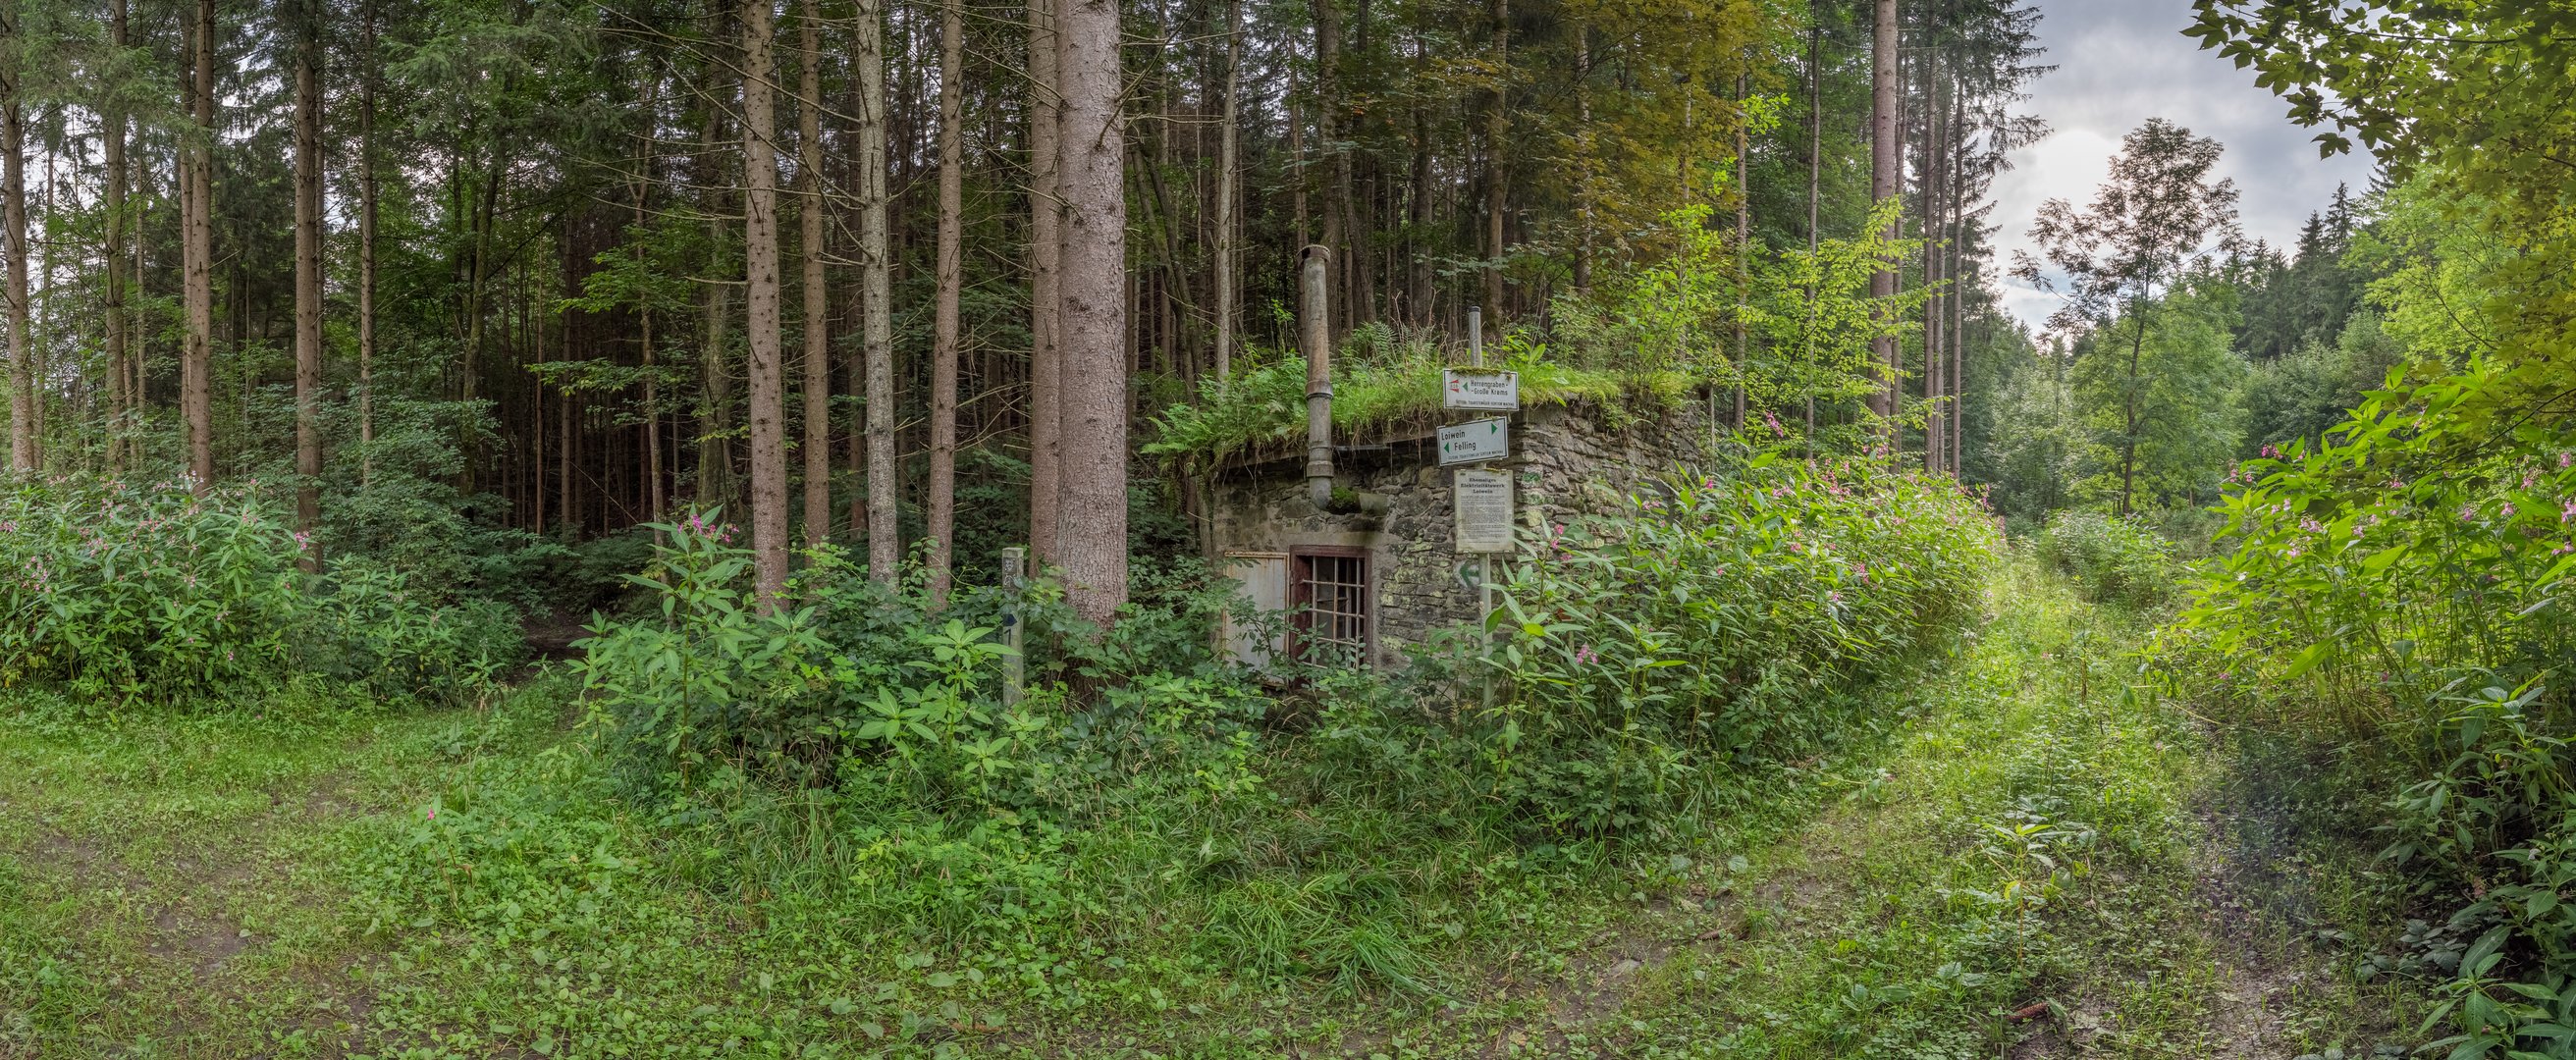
{"x":2120,"y":62}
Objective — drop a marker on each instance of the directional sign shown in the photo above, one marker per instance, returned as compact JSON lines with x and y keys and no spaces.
{"x":1475,"y":441}
{"x":1484,"y":507}
{"x":1476,"y":389}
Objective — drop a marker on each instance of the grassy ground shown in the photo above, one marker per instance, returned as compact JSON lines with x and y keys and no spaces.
{"x":2036,"y":863}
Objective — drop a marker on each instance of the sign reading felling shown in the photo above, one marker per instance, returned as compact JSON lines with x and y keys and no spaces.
{"x":1475,"y":441}
{"x":1484,"y":505}
{"x":1478,"y":389}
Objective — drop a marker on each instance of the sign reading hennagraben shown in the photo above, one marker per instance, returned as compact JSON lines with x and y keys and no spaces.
{"x":1484,"y":504}
{"x":1475,"y":441}
{"x":1495,"y":391}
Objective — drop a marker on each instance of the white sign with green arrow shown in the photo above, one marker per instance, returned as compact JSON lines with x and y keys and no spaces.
{"x":1475,"y":441}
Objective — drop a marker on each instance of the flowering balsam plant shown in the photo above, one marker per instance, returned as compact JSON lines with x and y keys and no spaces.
{"x":1715,"y":624}
{"x":2405,"y":586}
{"x":122,"y":592}
{"x":134,"y":590}
{"x":2367,"y":570}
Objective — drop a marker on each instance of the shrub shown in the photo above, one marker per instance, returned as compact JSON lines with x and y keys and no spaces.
{"x":1716,"y":625}
{"x":2385,"y":590}
{"x":129,"y":592}
{"x":2112,"y":560}
{"x":861,"y":679}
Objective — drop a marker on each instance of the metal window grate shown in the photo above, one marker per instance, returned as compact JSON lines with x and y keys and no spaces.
{"x":1335,"y":620}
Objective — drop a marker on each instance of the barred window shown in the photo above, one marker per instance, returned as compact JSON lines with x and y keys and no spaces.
{"x":1332,"y":600}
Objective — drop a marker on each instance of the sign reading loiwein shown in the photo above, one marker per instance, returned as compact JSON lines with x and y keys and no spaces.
{"x":1475,"y":441}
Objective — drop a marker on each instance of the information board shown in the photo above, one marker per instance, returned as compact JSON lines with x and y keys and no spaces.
{"x":1471,"y":388}
{"x":1484,"y":505}
{"x":1475,"y":441}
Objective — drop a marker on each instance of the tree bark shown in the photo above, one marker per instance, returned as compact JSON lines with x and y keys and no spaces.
{"x":1884,"y":173}
{"x":1583,"y":176}
{"x":124,"y":401}
{"x":308,"y":276}
{"x":817,"y":448}
{"x":715,"y":393}
{"x":761,"y":296}
{"x":1497,"y":126}
{"x":13,"y":215}
{"x":1935,"y":211}
{"x":1228,"y":165}
{"x":1093,"y":544}
{"x":885,"y":542}
{"x":1328,"y":130}
{"x":942,"y":507}
{"x":1046,"y":214}
{"x":1743,"y":244}
{"x":655,"y":499}
{"x":367,"y":199}
{"x":1815,"y":182}
{"x":196,"y":400}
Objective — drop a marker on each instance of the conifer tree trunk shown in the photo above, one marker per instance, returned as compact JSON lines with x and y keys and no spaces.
{"x":761,"y":296}
{"x":817,"y":448}
{"x":124,"y":403}
{"x":13,"y":228}
{"x":1228,"y":165}
{"x":1583,"y":177}
{"x":1328,"y":130}
{"x":308,"y":275}
{"x":1935,"y":207}
{"x":1884,"y":173}
{"x":715,"y":394}
{"x":196,"y":400}
{"x":1497,"y":126}
{"x":1093,"y":544}
{"x":655,"y":498}
{"x":1957,"y":331}
{"x":885,"y":543}
{"x":368,"y":196}
{"x":1743,"y":245}
{"x":1046,"y":214}
{"x":942,"y":506}
{"x":1815,"y":176}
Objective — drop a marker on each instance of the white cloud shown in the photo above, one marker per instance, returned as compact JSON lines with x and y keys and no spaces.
{"x":2121,"y":62}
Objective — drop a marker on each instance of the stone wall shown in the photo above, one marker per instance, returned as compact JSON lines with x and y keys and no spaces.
{"x":1567,"y":462}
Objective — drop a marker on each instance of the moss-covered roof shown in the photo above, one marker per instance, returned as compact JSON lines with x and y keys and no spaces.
{"x":1262,"y":412}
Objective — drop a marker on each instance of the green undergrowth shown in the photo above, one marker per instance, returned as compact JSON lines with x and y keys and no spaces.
{"x":314,"y":877}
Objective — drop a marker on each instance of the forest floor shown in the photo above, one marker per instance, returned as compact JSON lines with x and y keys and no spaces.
{"x":2034,"y":865}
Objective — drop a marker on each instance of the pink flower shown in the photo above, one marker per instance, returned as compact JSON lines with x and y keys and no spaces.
{"x":1584,"y":656}
{"x":2468,"y":513}
{"x":2568,"y":512}
{"x":2505,"y":512}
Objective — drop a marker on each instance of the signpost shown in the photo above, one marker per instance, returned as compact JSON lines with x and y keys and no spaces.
{"x":1483,"y":498}
{"x":1495,"y":391}
{"x":1475,"y":441}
